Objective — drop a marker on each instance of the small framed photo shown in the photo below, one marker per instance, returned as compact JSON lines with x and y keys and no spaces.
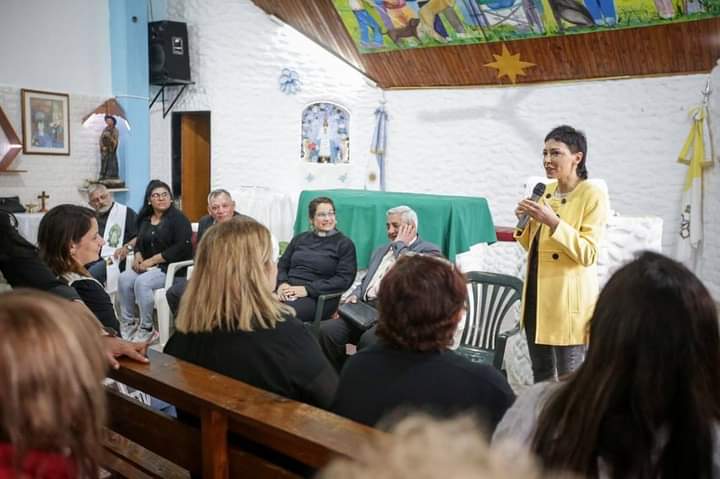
{"x":45,"y":123}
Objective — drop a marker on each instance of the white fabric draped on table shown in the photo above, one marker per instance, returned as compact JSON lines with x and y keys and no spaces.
{"x":28,"y":225}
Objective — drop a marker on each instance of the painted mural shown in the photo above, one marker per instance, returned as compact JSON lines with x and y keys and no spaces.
{"x":386,"y":25}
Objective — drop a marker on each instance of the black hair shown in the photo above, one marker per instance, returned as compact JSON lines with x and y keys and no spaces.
{"x":147,"y":210}
{"x":575,"y":141}
{"x":312,"y":207}
{"x":647,"y":398}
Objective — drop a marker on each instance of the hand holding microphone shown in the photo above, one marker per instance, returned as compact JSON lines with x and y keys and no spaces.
{"x":530,"y":209}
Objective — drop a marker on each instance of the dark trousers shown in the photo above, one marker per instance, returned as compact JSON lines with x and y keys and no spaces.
{"x":336,"y":333}
{"x":550,"y":362}
{"x":174,"y":294}
{"x":98,"y":270}
{"x":305,"y":308}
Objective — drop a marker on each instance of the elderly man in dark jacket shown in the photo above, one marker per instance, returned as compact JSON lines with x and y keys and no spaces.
{"x":402,"y":226}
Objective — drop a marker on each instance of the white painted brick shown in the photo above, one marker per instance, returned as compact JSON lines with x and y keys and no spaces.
{"x":475,"y":141}
{"x":59,"y":176}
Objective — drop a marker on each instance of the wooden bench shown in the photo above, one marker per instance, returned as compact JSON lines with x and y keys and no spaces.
{"x":241,"y":431}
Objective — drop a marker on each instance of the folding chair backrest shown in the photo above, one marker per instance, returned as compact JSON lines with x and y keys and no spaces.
{"x":491,"y":297}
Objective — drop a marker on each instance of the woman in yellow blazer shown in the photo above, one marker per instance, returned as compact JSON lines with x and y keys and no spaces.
{"x":562,"y":239}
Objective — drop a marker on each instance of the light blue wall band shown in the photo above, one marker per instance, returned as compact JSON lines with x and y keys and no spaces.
{"x":130,"y":85}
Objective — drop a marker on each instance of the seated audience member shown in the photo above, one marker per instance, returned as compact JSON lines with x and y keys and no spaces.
{"x":22,"y":267}
{"x":164,"y":236}
{"x":320,"y":261}
{"x":221,"y":208}
{"x":402,"y":224}
{"x":68,"y":239}
{"x":52,"y":402}
{"x":230,"y":322}
{"x":420,"y":302}
{"x":646,"y":401}
{"x":423,"y":447}
{"x":116,"y":225}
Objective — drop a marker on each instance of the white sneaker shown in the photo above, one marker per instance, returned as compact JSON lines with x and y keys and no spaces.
{"x":149,"y":336}
{"x":129,"y":329}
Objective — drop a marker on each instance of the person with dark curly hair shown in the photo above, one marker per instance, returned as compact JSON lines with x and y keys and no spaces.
{"x":420,"y":302}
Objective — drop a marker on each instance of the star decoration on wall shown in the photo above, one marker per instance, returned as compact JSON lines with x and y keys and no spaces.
{"x":509,"y":65}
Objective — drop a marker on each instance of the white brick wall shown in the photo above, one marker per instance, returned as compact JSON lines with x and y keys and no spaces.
{"x":482,"y":141}
{"x":59,"y":176}
{"x":59,"y":46}
{"x":237,"y":54}
{"x":709,"y":264}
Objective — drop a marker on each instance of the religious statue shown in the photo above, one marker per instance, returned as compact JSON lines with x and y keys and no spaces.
{"x":324,"y":145}
{"x":109,"y":140}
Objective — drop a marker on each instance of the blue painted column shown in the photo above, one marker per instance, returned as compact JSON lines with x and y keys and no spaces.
{"x":130,"y":85}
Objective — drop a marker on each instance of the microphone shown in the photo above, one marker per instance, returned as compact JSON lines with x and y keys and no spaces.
{"x":537,"y":193}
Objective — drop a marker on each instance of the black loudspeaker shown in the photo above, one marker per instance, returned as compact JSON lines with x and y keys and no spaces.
{"x":169,"y":58}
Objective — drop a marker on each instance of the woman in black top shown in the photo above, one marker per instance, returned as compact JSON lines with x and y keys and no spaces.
{"x":320,"y":261}
{"x":68,"y":239}
{"x":164,"y":236}
{"x":230,"y":322}
{"x":21,"y":265}
{"x":420,"y":303}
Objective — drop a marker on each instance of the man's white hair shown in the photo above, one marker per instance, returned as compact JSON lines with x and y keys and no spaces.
{"x":218,"y":192}
{"x":96,"y":187}
{"x":407,"y":214}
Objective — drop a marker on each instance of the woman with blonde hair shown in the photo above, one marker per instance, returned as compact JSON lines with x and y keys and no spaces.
{"x":52,"y":403}
{"x":230,"y":321}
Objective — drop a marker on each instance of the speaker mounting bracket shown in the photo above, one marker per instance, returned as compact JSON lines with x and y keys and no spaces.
{"x":161,"y":94}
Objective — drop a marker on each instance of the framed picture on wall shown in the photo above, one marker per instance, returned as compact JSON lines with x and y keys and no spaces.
{"x":45,"y":123}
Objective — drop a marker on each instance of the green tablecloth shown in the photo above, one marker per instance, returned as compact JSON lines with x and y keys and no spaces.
{"x":452,"y":222}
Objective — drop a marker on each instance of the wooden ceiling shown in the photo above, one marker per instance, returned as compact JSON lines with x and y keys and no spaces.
{"x":676,"y":48}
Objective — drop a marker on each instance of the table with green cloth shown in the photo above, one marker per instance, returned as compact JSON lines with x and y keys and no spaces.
{"x":454,"y":223}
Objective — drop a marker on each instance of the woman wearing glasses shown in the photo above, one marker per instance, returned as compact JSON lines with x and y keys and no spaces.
{"x":319,"y":261}
{"x":164,"y":236}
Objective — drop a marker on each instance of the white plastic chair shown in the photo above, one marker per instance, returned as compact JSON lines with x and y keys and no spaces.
{"x":161,"y":305}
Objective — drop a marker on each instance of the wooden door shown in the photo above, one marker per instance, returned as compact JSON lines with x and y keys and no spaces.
{"x":195,"y":157}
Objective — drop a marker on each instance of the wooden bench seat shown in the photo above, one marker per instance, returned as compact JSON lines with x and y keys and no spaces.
{"x":241,"y":431}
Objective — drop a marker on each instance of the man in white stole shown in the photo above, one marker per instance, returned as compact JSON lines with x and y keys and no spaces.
{"x":113,"y":236}
{"x":116,"y":223}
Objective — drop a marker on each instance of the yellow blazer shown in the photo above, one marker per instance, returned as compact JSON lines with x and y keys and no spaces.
{"x":567,"y":279}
